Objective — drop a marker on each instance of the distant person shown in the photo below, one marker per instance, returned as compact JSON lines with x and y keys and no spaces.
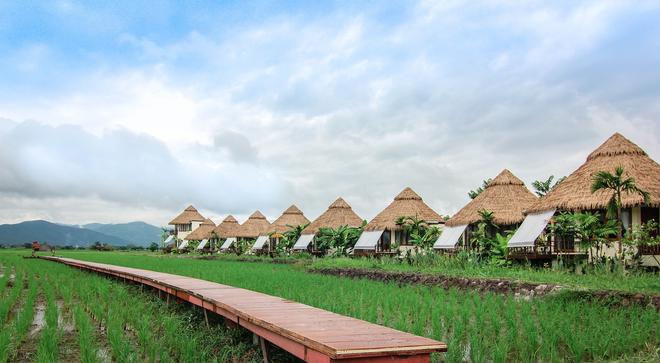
{"x":35,"y":247}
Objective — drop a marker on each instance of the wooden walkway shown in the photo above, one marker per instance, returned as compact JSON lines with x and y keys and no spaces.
{"x":311,"y":334}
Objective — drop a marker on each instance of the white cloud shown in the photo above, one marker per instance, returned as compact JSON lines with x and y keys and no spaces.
{"x":295,"y":111}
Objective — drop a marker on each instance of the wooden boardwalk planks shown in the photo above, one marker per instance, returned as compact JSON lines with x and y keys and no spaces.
{"x":309,"y":333}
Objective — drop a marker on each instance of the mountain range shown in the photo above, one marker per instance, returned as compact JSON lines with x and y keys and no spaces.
{"x":135,"y":233}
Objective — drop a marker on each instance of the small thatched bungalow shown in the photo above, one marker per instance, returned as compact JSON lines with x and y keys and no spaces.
{"x":226,"y":233}
{"x":338,"y":214}
{"x":574,"y":194}
{"x":382,"y":231}
{"x":202,"y":234}
{"x":291,"y":217}
{"x":186,"y":222}
{"x":256,"y":225}
{"x":506,"y":196}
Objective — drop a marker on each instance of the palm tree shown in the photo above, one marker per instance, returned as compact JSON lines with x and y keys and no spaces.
{"x":617,"y":184}
{"x":543,"y":187}
{"x":473,"y":193}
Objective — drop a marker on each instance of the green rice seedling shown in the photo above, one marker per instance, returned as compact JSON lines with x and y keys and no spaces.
{"x":508,"y":329}
{"x":48,"y":344}
{"x":86,"y":342}
{"x":25,"y":316}
{"x":121,"y":349}
{"x":7,"y":303}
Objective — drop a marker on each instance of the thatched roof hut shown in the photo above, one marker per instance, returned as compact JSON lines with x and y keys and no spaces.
{"x":188,"y":215}
{"x":338,"y":214}
{"x":506,"y":196}
{"x":407,"y":203}
{"x":254,"y":226}
{"x":574,"y":193}
{"x":292,"y":216}
{"x":202,"y":232}
{"x":227,"y":228}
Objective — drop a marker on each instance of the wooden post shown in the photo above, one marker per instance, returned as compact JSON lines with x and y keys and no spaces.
{"x":206,"y":318}
{"x":265,"y":350}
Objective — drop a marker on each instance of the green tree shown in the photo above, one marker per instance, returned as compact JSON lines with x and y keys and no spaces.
{"x":153,"y":247}
{"x":484,"y":237}
{"x":342,"y":239}
{"x":592,"y":232}
{"x":424,"y":239}
{"x":543,"y":187}
{"x":473,"y":193}
{"x":617,"y":184}
{"x":291,"y":236}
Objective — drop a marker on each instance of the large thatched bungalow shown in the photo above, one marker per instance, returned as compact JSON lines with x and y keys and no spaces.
{"x":291,"y":217}
{"x":574,"y":194}
{"x":506,"y":196}
{"x":202,"y":234}
{"x":338,"y":214}
{"x":226,"y":233}
{"x":382,"y":231}
{"x":186,"y":222}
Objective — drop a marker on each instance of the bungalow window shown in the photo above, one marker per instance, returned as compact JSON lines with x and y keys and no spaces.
{"x":564,"y":243}
{"x":402,"y":238}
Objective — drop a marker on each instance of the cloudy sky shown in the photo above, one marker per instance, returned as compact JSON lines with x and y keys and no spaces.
{"x":131,"y":111}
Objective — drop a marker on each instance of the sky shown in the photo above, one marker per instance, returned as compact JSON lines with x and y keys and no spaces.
{"x":128,"y":110}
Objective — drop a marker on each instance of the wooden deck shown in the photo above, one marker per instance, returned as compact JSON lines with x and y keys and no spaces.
{"x":311,"y":334}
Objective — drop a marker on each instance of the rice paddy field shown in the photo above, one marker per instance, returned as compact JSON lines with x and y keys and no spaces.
{"x":93,"y":318}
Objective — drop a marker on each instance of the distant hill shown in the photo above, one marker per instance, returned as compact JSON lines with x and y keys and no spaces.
{"x":54,"y":234}
{"x":137,"y":233}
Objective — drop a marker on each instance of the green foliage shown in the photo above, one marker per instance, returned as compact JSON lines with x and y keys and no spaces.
{"x":617,"y":184}
{"x":587,"y":229}
{"x":424,"y":239}
{"x":153,"y":247}
{"x":543,"y":187}
{"x":638,"y":238}
{"x":473,"y":193}
{"x":341,"y":239}
{"x":490,"y":245}
{"x":289,"y":238}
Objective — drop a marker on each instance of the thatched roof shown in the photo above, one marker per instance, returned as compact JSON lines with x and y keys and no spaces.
{"x":202,"y":232}
{"x":407,"y":204}
{"x":255,"y":226}
{"x":292,"y":216}
{"x":506,"y":196}
{"x":338,"y":214}
{"x":187,"y":216}
{"x":227,"y":228}
{"x":574,"y":193}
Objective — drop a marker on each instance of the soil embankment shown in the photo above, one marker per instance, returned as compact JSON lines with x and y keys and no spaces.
{"x":502,"y":286}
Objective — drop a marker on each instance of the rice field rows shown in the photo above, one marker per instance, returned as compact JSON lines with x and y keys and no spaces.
{"x":476,"y":327}
{"x":51,"y":312}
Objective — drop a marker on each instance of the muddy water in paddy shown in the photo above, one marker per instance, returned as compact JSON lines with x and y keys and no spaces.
{"x":69,"y":349}
{"x":27,"y":351}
